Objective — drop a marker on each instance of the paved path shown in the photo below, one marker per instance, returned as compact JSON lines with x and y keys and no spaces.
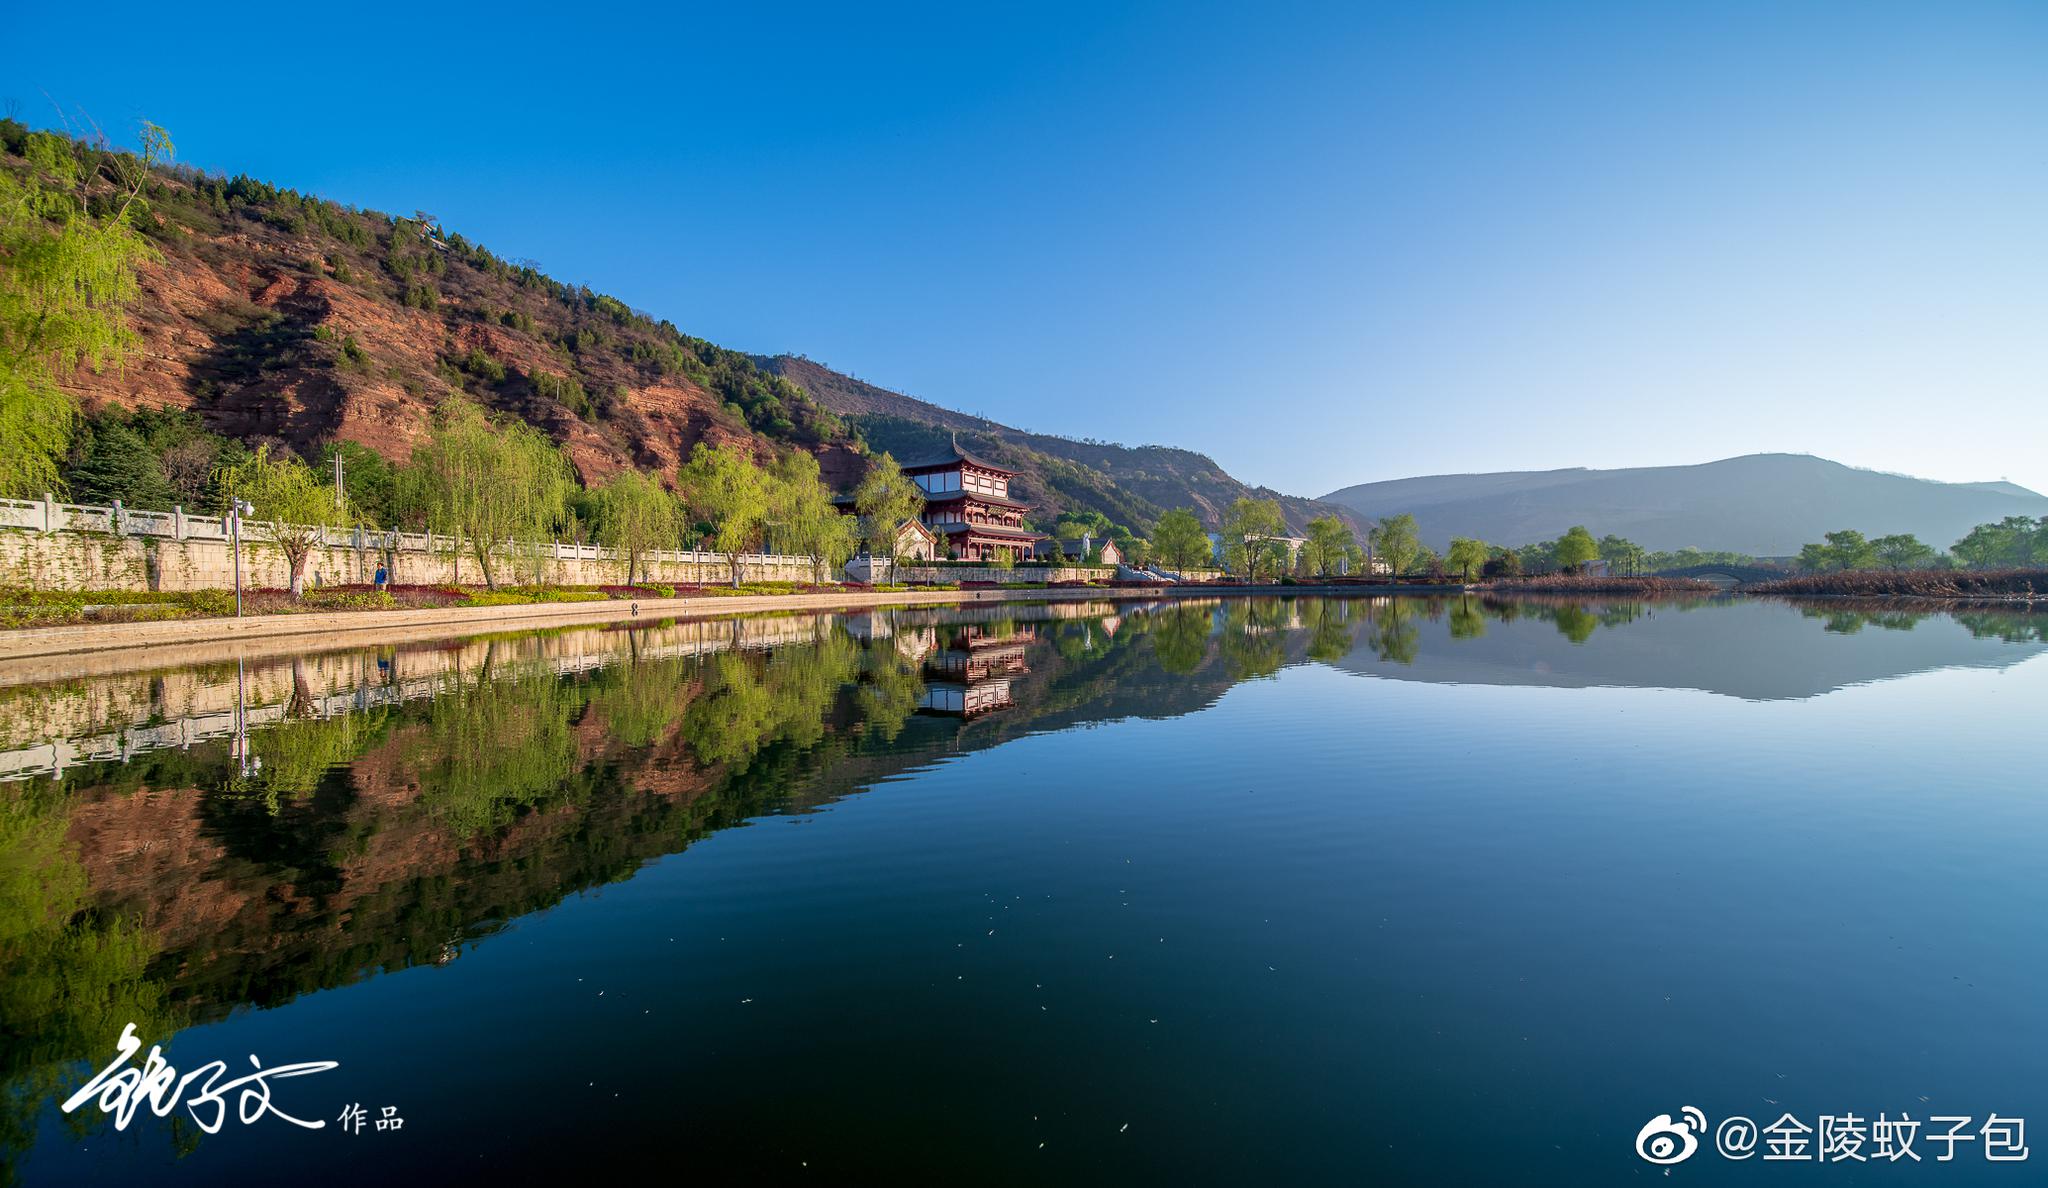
{"x":206,"y":639}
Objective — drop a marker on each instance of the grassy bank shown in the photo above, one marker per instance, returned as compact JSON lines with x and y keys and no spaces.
{"x":1986,"y":585}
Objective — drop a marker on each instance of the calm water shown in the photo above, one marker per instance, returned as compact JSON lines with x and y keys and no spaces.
{"x":1305,"y":891}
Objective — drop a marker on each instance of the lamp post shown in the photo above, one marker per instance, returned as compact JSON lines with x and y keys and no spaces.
{"x":238,"y":508}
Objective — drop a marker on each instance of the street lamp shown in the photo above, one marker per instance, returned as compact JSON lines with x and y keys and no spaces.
{"x":236,"y":510}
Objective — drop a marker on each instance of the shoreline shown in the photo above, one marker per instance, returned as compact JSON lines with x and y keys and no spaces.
{"x":56,"y":653}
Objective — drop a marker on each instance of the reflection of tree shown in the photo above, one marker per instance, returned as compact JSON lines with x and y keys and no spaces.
{"x":1575,"y":623}
{"x":70,"y":977}
{"x":1082,"y":640}
{"x":497,"y":742}
{"x":297,"y":755}
{"x":889,"y":692}
{"x":1617,"y":614}
{"x":1468,"y":620}
{"x":1837,"y":621}
{"x":1328,"y":622}
{"x":2010,"y":626}
{"x":748,"y":703}
{"x":1395,"y":636}
{"x":1252,"y":644}
{"x":641,"y":700}
{"x":1180,"y":637}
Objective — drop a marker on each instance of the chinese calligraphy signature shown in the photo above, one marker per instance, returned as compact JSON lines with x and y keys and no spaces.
{"x":121,"y":1089}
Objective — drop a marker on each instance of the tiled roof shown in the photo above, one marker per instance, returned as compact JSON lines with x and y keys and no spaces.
{"x":953,"y":456}
{"x":989,"y":530}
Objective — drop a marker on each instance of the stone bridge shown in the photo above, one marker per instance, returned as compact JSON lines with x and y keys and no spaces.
{"x":1730,"y":575}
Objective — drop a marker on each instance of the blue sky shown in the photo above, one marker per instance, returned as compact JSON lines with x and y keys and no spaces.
{"x":1323,"y":244}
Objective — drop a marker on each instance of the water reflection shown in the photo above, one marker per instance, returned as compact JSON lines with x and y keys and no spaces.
{"x":176,"y":845}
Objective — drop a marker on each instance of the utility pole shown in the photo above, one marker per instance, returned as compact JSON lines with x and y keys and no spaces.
{"x":337,"y":477}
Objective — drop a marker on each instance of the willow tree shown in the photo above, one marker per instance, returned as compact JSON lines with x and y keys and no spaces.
{"x":1178,"y":539}
{"x":300,"y":506}
{"x":885,"y":499}
{"x":635,"y":517}
{"x":66,"y":279}
{"x":723,"y":488}
{"x":1398,"y":540}
{"x":1577,"y":548}
{"x":1467,"y":556}
{"x":492,"y":486}
{"x":1248,"y":528}
{"x":805,"y":518}
{"x":1329,"y":543}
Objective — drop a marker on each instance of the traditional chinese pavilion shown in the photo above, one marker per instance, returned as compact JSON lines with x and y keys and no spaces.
{"x":967,"y":504}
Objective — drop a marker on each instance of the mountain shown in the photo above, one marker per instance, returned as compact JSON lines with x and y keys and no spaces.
{"x":284,"y":317}
{"x":280,"y":316}
{"x":1767,"y":505}
{"x":1129,"y":484}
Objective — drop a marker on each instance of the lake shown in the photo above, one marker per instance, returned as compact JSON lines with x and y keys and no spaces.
{"x":1259,"y":890}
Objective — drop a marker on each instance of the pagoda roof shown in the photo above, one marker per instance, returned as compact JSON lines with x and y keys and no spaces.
{"x":992,"y":531}
{"x":950,"y":457}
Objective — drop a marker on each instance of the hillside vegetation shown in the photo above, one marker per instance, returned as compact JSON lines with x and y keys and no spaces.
{"x":1129,"y":484}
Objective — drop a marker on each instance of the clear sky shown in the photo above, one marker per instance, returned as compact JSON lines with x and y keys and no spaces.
{"x":1323,"y":244}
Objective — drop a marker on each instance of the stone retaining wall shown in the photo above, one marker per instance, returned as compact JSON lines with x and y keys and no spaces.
{"x":103,"y":561}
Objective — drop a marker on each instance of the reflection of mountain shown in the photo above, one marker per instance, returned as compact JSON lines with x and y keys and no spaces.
{"x":1783,"y":655}
{"x":391,"y":806}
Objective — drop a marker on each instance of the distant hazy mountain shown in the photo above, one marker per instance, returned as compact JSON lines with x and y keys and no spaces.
{"x":1764,"y":504}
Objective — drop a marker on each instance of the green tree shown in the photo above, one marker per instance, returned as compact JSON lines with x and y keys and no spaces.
{"x":635,"y":517}
{"x":1576,"y":548}
{"x":492,"y":486}
{"x":1397,"y":541}
{"x":1621,"y":554}
{"x":2012,"y":542}
{"x":1838,"y":551}
{"x":1329,"y":544}
{"x":1540,"y":557}
{"x":884,"y":500}
{"x":1849,"y":550}
{"x":1902,"y":551}
{"x":368,"y":482}
{"x":1467,"y":556}
{"x":1178,"y":539}
{"x":66,"y":279}
{"x":805,"y":518}
{"x":1248,"y":529}
{"x":723,"y":488}
{"x":298,"y":505}
{"x":109,"y":460}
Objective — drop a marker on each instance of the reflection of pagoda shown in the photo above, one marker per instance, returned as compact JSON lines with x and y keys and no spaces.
{"x":972,"y":673}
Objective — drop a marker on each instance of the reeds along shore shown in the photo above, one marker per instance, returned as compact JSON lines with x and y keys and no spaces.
{"x":2000,"y":585}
